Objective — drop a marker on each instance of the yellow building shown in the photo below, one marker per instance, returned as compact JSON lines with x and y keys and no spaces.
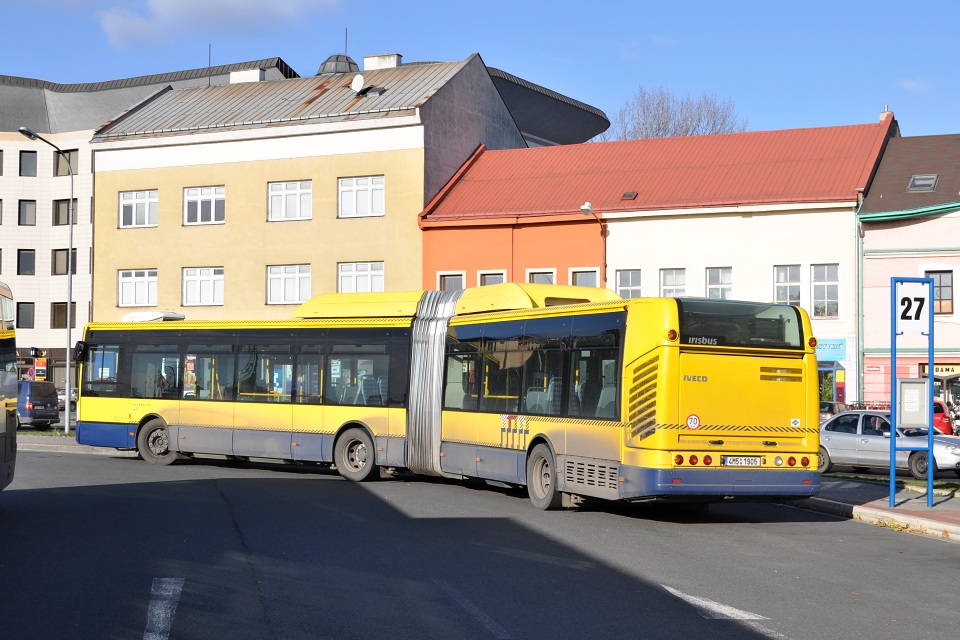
{"x":242,"y":200}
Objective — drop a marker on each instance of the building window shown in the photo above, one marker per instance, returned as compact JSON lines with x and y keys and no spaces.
{"x":826,"y":290}
{"x":583,"y":277}
{"x":58,"y":262}
{"x":290,"y":201}
{"x":787,"y":284}
{"x":720,"y":282}
{"x":204,"y":205}
{"x":541,"y":277}
{"x":58,"y":315}
{"x":28,"y":213}
{"x":28,"y":164}
{"x":61,"y":212}
{"x":491,"y":277}
{"x":138,"y":209}
{"x":361,"y":197}
{"x":923,"y":182}
{"x":60,"y":162}
{"x":202,"y":286}
{"x":673,"y":282}
{"x":25,"y":314}
{"x":942,"y":291}
{"x":359,"y":277}
{"x":26,"y":262}
{"x":628,"y":283}
{"x":138,"y":288}
{"x":288,"y":283}
{"x":451,"y":281}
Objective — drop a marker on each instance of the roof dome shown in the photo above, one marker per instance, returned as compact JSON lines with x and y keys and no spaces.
{"x":339,"y":63}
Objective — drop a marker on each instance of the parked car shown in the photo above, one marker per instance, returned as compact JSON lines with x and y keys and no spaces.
{"x":62,"y":399}
{"x":830,"y":409}
{"x":861,"y":439}
{"x":942,"y":420}
{"x":37,"y":404}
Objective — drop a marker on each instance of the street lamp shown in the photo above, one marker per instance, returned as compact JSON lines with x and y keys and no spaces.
{"x":587,"y":209}
{"x":32,"y":135}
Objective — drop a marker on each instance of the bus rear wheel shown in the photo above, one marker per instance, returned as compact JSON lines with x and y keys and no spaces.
{"x":153,"y":443}
{"x":354,"y":456}
{"x":542,"y":479}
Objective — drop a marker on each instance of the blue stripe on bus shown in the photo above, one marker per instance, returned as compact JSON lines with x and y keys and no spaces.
{"x":639,"y":482}
{"x":107,"y":434}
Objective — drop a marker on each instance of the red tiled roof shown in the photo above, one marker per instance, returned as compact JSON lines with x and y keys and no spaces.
{"x":828,"y":164}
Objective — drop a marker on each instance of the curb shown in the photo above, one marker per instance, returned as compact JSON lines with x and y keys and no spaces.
{"x":73,"y":448}
{"x":881,"y":518}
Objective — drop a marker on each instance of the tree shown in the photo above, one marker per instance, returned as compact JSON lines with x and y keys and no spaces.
{"x":660,"y":114}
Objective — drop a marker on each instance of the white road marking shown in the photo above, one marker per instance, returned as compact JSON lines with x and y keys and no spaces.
{"x":716,"y":611}
{"x":497,"y":631}
{"x":165,"y":595}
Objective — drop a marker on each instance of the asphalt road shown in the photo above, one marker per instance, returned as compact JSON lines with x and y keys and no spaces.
{"x":105,"y":547}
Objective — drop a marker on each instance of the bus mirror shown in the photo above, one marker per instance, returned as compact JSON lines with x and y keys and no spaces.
{"x":80,"y":351}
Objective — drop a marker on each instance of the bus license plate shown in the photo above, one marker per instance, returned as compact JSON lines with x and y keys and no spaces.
{"x":741,"y":461}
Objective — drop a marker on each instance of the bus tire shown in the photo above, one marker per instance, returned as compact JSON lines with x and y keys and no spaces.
{"x":542,"y":479}
{"x":153,"y":443}
{"x":824,"y":464}
{"x":354,"y":456}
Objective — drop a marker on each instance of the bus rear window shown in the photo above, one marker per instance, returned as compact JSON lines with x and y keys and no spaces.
{"x":742,"y":324}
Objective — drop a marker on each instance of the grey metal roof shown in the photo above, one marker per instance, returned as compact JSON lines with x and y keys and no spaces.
{"x":49,"y":107}
{"x":327,"y":98}
{"x":906,"y":157}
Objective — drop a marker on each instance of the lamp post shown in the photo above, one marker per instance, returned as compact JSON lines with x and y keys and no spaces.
{"x":32,"y":135}
{"x":587,"y":209}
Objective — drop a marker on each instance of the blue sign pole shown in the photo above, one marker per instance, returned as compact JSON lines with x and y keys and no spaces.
{"x":907,"y":314}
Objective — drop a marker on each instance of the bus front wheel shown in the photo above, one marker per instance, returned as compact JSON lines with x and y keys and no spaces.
{"x":153,"y":443}
{"x":542,"y":479}
{"x":354,"y":456}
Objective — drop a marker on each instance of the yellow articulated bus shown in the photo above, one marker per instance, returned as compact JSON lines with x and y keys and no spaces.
{"x":571,"y":391}
{"x":8,"y":387}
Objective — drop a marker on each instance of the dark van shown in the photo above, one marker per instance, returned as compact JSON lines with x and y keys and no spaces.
{"x":37,"y":404}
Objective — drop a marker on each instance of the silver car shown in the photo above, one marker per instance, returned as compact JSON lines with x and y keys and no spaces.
{"x":861,"y":439}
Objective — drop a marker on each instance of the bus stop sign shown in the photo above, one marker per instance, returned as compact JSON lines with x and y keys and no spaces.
{"x":913,"y":307}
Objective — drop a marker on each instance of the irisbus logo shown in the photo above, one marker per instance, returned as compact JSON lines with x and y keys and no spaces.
{"x":687,"y":378}
{"x":703,"y":340}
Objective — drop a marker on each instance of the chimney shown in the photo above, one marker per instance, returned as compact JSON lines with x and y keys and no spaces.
{"x":885,"y":113}
{"x":382,"y":61}
{"x":247,"y":75}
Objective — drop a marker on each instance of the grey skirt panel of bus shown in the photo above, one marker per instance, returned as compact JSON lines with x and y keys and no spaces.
{"x":426,"y":380}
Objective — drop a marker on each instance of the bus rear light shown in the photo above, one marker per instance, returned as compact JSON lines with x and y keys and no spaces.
{"x":694,"y":459}
{"x":778,"y":461}
{"x":807,"y":481}
{"x":708,"y":460}
{"x":677,"y":481}
{"x":792,"y":461}
{"x":678,"y":459}
{"x":812,"y":342}
{"x":671,"y":335}
{"x":804,"y":461}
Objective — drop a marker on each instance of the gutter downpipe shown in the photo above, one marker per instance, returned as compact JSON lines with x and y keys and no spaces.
{"x":860,"y":354}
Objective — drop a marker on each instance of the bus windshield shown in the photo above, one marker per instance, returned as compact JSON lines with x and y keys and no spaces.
{"x":741,"y":324}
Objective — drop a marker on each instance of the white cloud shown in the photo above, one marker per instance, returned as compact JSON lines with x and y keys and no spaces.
{"x":914,"y":86}
{"x":159,"y":21}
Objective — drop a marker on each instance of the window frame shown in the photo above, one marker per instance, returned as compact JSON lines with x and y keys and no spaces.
{"x":58,"y":311}
{"x":150,"y":198}
{"x":21,"y":253}
{"x":33,"y":315}
{"x":786,"y":285}
{"x":371,"y":272}
{"x":148,"y":278}
{"x":215,"y":195}
{"x":572,"y":272}
{"x":442,"y":276}
{"x":58,"y":160}
{"x":61,"y":218}
{"x":354,"y":190}
{"x":675,"y":290}
{"x":631,"y":288}
{"x":825,"y":284}
{"x":938,"y":289}
{"x":281,"y":277}
{"x":533,"y":273}
{"x":20,"y":213}
{"x":211,"y":276}
{"x":55,"y":259}
{"x":721,"y":286}
{"x":299,"y":192}
{"x":27,"y":153}
{"x":491,"y":272}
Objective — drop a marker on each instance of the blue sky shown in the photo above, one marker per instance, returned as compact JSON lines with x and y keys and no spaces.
{"x":783,"y":65}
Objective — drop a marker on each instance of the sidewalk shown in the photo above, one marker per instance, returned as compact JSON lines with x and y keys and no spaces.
{"x":848,"y":498}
